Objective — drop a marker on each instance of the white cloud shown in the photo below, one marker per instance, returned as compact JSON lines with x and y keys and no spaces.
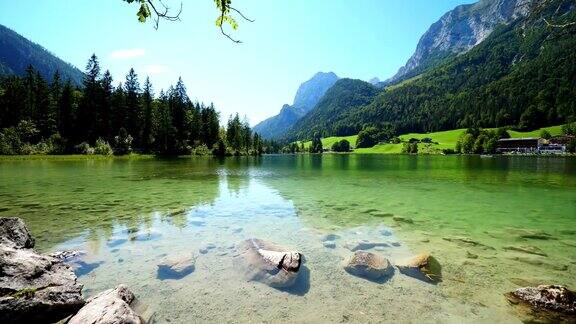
{"x":127,"y":53}
{"x":155,"y":69}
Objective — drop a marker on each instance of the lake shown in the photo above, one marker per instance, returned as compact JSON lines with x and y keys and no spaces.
{"x":494,"y":224}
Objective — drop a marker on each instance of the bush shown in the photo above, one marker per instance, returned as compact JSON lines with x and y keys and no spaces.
{"x":448,"y":151}
{"x":410,"y":148}
{"x":545,"y":134}
{"x":569,"y":129}
{"x":84,"y":148}
{"x":57,"y":144}
{"x":201,"y":150}
{"x":102,"y":147}
{"x":316,"y":146}
{"x":341,"y":146}
{"x":219,"y":148}
{"x":571,"y":147}
{"x":123,"y":142}
{"x":367,"y":137}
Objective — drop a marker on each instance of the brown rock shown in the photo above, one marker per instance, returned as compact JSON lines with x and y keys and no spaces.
{"x":423,"y":267}
{"x":369,"y":265}
{"x":547,"y":298}
{"x":269,"y":263}
{"x":176,"y":267}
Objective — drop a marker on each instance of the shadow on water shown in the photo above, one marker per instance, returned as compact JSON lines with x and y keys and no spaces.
{"x":379,"y":280}
{"x":302,"y":284}
{"x":82,"y":268}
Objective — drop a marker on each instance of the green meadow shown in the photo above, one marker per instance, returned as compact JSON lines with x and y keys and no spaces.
{"x":441,"y":140}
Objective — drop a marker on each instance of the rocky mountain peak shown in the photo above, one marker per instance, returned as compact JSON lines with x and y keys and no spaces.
{"x":460,"y":29}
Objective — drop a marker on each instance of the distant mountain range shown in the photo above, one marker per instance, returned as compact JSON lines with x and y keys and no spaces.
{"x":307,"y":96}
{"x":17,"y":53}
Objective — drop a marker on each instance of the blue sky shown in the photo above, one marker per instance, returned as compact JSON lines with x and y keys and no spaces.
{"x":288,"y":43}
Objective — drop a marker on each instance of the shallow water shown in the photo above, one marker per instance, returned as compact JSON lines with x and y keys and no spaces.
{"x":477,"y":216}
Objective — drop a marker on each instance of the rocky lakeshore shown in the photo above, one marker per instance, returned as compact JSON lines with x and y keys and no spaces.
{"x":38,"y":288}
{"x":43,"y":288}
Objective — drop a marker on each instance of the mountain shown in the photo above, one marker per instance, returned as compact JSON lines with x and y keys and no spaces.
{"x":523,"y":74}
{"x":17,"y":53}
{"x":307,"y":96}
{"x":460,"y":30}
{"x":345,"y":95}
{"x":275,"y":127}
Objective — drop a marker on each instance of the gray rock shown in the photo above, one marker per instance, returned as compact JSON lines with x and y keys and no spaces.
{"x":364,"y":245}
{"x":14,"y":233}
{"x":35,"y":287}
{"x":369,"y":265}
{"x":67,"y":254}
{"x":330,"y":237}
{"x":269,"y":263}
{"x":546,"y":298}
{"x":329,"y":244}
{"x":176,"y":267}
{"x":110,"y":306}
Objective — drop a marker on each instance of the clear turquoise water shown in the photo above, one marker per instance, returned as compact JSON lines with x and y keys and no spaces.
{"x":472,"y":214}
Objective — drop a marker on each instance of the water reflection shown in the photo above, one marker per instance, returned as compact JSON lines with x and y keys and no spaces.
{"x":473,"y":214}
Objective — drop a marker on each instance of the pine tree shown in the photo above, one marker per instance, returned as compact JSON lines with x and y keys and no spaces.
{"x":106,"y":131}
{"x":133,"y":123}
{"x":147,"y":104}
{"x":89,"y":108}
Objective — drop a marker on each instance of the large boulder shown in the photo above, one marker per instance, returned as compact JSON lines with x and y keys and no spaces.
{"x":423,"y":266}
{"x":369,"y":265}
{"x":109,"y":307}
{"x":36,"y":288}
{"x":176,"y":267}
{"x":14,"y":233}
{"x":269,"y":263}
{"x":547,"y":298}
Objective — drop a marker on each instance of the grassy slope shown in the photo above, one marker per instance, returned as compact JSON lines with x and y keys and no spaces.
{"x":445,"y":140}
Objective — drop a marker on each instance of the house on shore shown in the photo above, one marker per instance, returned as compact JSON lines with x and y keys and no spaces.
{"x":530,"y":145}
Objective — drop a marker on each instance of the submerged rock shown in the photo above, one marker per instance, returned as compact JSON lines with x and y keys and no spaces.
{"x":423,"y":266}
{"x":329,"y":244}
{"x":364,"y":245}
{"x":33,"y":287}
{"x":330,"y":237}
{"x":405,"y":220}
{"x":14,"y":233}
{"x":269,"y":263}
{"x":526,"y":249}
{"x":110,"y":306}
{"x":369,"y":265}
{"x":67,"y":254}
{"x":547,"y":298}
{"x":176,"y":267}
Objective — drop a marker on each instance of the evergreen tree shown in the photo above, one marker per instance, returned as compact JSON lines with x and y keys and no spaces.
{"x":147,"y":104}
{"x":133,"y":120}
{"x":87,"y":116}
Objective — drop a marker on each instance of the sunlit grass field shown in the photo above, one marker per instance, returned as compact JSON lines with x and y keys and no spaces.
{"x":444,"y":140}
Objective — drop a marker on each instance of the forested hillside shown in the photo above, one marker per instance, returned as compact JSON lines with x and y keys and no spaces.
{"x":17,"y":53}
{"x":522,"y":75}
{"x":40,"y":117}
{"x":325,"y":118}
